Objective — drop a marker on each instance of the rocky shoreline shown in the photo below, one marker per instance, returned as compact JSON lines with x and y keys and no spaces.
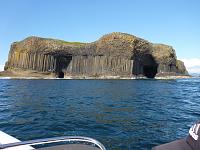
{"x":35,"y":75}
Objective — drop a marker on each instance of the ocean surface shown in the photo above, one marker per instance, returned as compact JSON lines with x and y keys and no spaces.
{"x":121,"y":114}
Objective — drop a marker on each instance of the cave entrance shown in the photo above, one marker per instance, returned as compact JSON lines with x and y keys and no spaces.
{"x":62,"y":63}
{"x":144,"y":65}
{"x":149,"y":71}
{"x":149,"y":66}
{"x":60,"y":74}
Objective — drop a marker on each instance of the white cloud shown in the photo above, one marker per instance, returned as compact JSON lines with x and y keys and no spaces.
{"x":1,"y":67}
{"x":192,"y":65}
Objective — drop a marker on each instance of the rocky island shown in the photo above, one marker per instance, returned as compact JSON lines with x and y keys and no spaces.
{"x":117,"y":55}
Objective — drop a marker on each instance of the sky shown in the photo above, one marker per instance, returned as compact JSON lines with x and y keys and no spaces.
{"x":172,"y":22}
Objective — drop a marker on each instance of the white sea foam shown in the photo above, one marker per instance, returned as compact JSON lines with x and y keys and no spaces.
{"x":5,"y":77}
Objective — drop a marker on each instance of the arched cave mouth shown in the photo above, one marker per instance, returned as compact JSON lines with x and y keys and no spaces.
{"x":62,"y":62}
{"x":144,"y":65}
{"x":60,"y":74}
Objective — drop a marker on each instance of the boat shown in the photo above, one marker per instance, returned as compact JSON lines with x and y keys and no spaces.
{"x":8,"y":142}
{"x":191,"y":142}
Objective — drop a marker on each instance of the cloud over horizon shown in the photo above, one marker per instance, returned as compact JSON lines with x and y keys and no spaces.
{"x":192,"y":65}
{"x":1,"y":67}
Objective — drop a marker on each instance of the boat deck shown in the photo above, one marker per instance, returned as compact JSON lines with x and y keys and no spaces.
{"x":8,"y":142}
{"x":70,"y":147}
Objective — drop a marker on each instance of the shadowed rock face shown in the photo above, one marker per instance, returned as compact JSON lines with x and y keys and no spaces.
{"x":115,"y":54}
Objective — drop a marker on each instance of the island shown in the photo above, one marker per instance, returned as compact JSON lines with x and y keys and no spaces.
{"x":115,"y":55}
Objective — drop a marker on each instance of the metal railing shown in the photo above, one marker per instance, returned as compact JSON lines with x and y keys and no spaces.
{"x":55,"y":140}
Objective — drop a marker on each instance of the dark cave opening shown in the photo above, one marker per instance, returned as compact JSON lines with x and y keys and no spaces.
{"x":62,"y":63}
{"x":144,"y":65}
{"x":150,"y":71}
{"x":60,"y":74}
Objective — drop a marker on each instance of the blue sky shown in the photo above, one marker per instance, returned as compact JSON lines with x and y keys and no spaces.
{"x":172,"y":22}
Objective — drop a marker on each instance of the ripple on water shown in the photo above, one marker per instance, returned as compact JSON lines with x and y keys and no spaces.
{"x":122,"y":114}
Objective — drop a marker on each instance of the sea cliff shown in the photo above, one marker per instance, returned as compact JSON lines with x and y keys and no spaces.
{"x":113,"y":55}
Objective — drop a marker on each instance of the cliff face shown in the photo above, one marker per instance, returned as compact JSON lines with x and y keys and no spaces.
{"x":115,"y":54}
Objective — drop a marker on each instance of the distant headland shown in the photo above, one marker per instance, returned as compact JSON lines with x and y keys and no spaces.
{"x":115,"y":55}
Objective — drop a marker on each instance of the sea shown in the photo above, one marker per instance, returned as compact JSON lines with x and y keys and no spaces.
{"x":121,"y":114}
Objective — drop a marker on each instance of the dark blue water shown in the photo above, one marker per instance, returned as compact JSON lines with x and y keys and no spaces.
{"x":122,"y":114}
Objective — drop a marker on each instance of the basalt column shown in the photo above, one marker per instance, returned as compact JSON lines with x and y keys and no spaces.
{"x":99,"y":65}
{"x":32,"y":61}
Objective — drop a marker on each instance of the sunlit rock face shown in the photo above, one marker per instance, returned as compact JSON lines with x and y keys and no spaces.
{"x":115,"y":54}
